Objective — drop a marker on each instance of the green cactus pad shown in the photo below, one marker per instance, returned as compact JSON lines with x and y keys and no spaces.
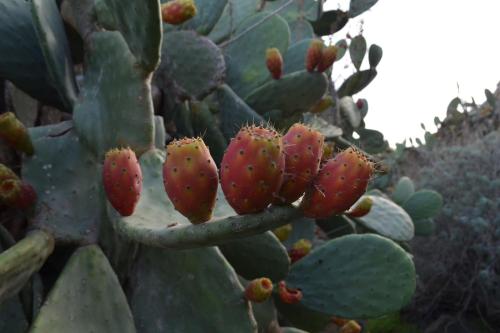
{"x":49,"y":27}
{"x":357,"y":50}
{"x":86,"y":297}
{"x":302,"y":228}
{"x":234,"y":112}
{"x":265,"y":313}
{"x":20,"y":49}
{"x":425,"y":227}
{"x":208,"y":14}
{"x":12,"y":318}
{"x":235,"y":12}
{"x":423,"y":204}
{"x":355,"y":276}
{"x":156,"y":223}
{"x":388,"y":219}
{"x":358,"y":7}
{"x":357,"y":82}
{"x":403,"y":190}
{"x":371,"y":141}
{"x":115,"y":95}
{"x":160,"y":134}
{"x":374,"y":55}
{"x":245,"y":53}
{"x":192,"y":65}
{"x":69,"y":192}
{"x":258,"y":256}
{"x":168,"y":285}
{"x":337,"y":226}
{"x":19,"y":262}
{"x":300,"y":29}
{"x":330,"y":22}
{"x":341,"y":49}
{"x":302,"y":317}
{"x":349,"y":110}
{"x":293,"y":10}
{"x":293,"y":93}
{"x":295,"y":57}
{"x":139,"y":22}
{"x":328,"y":130}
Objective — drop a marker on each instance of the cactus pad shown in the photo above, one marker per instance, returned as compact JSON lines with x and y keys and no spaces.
{"x":403,"y":190}
{"x":356,"y":82}
{"x":423,"y":204}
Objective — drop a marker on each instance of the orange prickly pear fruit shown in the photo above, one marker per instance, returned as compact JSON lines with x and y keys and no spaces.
{"x":350,"y":327}
{"x":6,"y":173}
{"x":17,"y":194}
{"x":299,"y":250}
{"x":259,"y":290}
{"x":362,"y":208}
{"x":303,"y":148}
{"x":340,"y":182}
{"x":15,"y":133}
{"x":283,"y":232}
{"x":122,"y":179}
{"x":287,"y":295}
{"x":314,"y":54}
{"x":274,"y":63}
{"x":252,"y":169}
{"x":328,"y":57}
{"x":178,"y":11}
{"x":190,"y":178}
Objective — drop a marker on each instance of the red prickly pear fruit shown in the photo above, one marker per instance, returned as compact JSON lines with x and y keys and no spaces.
{"x":328,"y":57}
{"x":350,"y":327}
{"x":283,"y":232}
{"x":299,"y":250}
{"x":313,"y":55}
{"x":17,"y":194}
{"x":287,"y":295}
{"x":340,"y":182}
{"x":360,"y":104}
{"x":15,"y":133}
{"x":303,"y":148}
{"x":190,"y":178}
{"x":122,"y":178}
{"x":252,"y":169}
{"x":6,"y":173}
{"x":362,"y":208}
{"x":274,"y":63}
{"x":178,"y":11}
{"x":259,"y":290}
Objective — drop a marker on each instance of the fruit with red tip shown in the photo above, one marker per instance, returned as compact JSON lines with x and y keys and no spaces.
{"x":15,"y":133}
{"x":259,"y":290}
{"x":122,"y":179}
{"x":303,"y":148}
{"x":190,"y":178}
{"x":299,"y":250}
{"x":314,"y":54}
{"x":17,"y":194}
{"x":283,"y":232}
{"x":328,"y":57}
{"x":362,"y":208}
{"x":178,"y":11}
{"x":252,"y":169}
{"x":274,"y":63}
{"x":339,"y":321}
{"x":288,"y":295}
{"x":6,"y":173}
{"x":350,"y":327}
{"x":340,"y":182}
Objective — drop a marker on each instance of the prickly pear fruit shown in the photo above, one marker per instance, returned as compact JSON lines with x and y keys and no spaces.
{"x":339,"y":321}
{"x":15,"y":133}
{"x":15,"y":193}
{"x":350,"y":327}
{"x":274,"y":63}
{"x":252,"y":169}
{"x":303,"y":148}
{"x":259,"y":290}
{"x":299,"y":250}
{"x":190,"y":178}
{"x":362,"y":208}
{"x":283,"y":232}
{"x":287,"y":295}
{"x":328,"y":57}
{"x":314,"y":54}
{"x":122,"y":179}
{"x":6,"y":173}
{"x":178,"y":11}
{"x":322,"y":105}
{"x":340,"y":182}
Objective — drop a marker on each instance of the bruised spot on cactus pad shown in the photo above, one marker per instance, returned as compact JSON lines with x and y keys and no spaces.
{"x":259,"y":290}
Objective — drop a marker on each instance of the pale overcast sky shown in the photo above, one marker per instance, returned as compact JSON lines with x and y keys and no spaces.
{"x":429,"y":46}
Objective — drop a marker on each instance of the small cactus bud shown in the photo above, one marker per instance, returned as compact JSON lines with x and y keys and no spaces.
{"x":274,"y":62}
{"x":178,"y":11}
{"x":300,"y":249}
{"x":350,"y":327}
{"x":328,"y":57}
{"x":360,"y":103}
{"x":15,"y":133}
{"x":289,"y":296}
{"x":16,"y":194}
{"x":314,"y":54}
{"x":322,"y":105}
{"x":283,"y":232}
{"x":259,"y":290}
{"x":361,"y":208}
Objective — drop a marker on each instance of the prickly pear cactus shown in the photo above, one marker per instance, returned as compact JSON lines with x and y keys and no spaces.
{"x":139,"y":83}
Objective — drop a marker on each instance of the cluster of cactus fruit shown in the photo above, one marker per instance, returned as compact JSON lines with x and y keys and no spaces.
{"x":202,"y":258}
